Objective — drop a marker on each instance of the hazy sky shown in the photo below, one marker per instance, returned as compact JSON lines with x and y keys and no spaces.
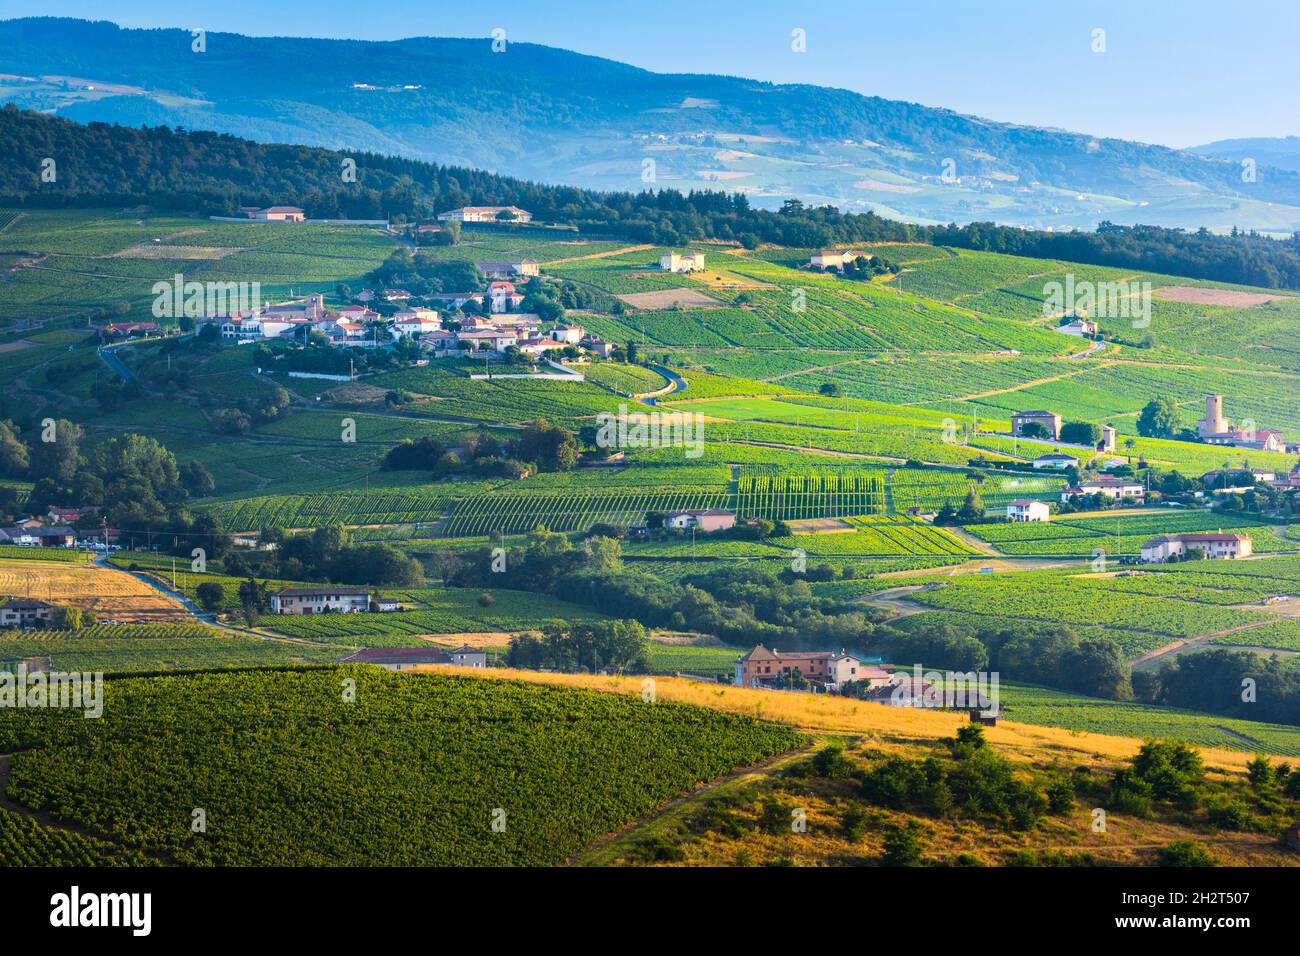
{"x":1176,"y":72}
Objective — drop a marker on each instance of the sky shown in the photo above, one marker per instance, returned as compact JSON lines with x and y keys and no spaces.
{"x":1174,"y":72}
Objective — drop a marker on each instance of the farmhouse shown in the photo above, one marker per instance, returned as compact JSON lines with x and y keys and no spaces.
{"x":1025,"y":509}
{"x":761,"y":667}
{"x":21,"y":612}
{"x":597,"y":346}
{"x":279,"y":214}
{"x":1212,"y":545}
{"x":681,"y":262}
{"x":1049,"y":420}
{"x":58,"y":536}
{"x":1084,"y":327}
{"x":322,"y":600}
{"x":702,"y":519}
{"x":402,"y":658}
{"x":1107,"y":486}
{"x":486,"y":214}
{"x":1060,"y":462}
{"x":832,"y":259}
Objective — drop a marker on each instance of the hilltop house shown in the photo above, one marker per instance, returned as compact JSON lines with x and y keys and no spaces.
{"x":1078,"y":326}
{"x":1049,"y":420}
{"x":327,"y":599}
{"x":1212,"y":545}
{"x":681,"y":261}
{"x":402,"y":658}
{"x":702,"y":519}
{"x":1025,"y":509}
{"x":761,"y":667}
{"x":486,"y":214}
{"x":833,"y":259}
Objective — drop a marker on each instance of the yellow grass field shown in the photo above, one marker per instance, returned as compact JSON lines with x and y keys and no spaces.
{"x":840,"y":715}
{"x":112,"y":594}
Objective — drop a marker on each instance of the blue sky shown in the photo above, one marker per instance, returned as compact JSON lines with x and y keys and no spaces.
{"x":1176,"y":72}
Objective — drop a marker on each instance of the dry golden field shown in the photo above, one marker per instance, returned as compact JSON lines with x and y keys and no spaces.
{"x":112,"y":594}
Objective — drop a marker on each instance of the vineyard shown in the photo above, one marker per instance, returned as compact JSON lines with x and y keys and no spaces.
{"x":515,"y":512}
{"x":822,"y":493}
{"x":121,"y":648}
{"x":416,"y":770}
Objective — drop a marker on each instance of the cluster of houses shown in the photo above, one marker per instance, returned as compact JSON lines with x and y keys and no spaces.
{"x":54,"y":529}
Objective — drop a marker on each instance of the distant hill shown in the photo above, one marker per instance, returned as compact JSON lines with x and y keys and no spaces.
{"x":1280,"y":151}
{"x":558,"y":116}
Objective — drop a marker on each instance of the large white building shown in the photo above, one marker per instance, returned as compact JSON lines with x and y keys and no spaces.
{"x":333,"y":598}
{"x":486,"y":214}
{"x":1212,"y":545}
{"x":681,"y":261}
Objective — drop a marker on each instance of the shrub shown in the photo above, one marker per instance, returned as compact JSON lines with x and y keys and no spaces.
{"x":853,"y":822}
{"x":903,"y":845}
{"x":1183,"y":853}
{"x":830,"y":762}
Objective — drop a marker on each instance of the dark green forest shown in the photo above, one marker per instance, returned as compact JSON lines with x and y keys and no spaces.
{"x":214,"y":174}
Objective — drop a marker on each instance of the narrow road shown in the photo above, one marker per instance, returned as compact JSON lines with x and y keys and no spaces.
{"x":116,"y":364}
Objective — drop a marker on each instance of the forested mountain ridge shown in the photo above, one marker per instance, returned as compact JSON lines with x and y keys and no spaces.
{"x":558,"y":116}
{"x":211,"y":173}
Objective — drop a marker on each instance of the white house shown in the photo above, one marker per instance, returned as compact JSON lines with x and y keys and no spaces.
{"x":681,"y":262}
{"x":833,"y":259}
{"x":486,"y":214}
{"x":1060,"y":462}
{"x":334,"y":598}
{"x":417,"y":322}
{"x":568,"y":334}
{"x":1212,"y":545}
{"x":1024,"y":509}
{"x":497,"y":339}
{"x":1113,"y":488}
{"x":705,"y":519}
